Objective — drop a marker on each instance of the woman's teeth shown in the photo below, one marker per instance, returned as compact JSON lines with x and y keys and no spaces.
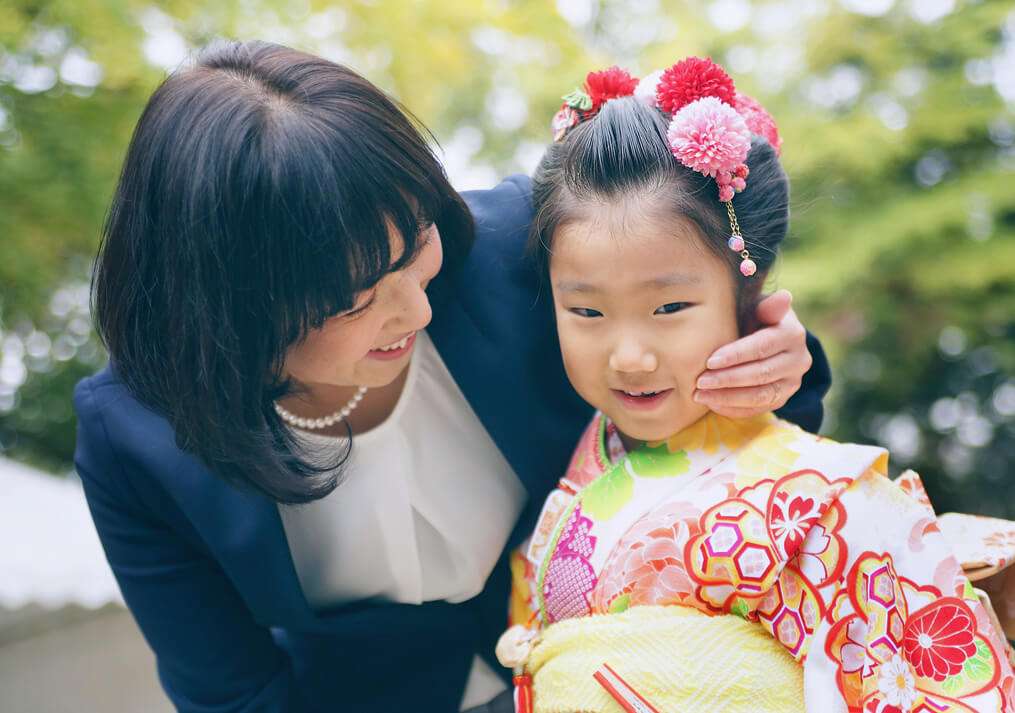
{"x":397,"y":345}
{"x":641,"y":393}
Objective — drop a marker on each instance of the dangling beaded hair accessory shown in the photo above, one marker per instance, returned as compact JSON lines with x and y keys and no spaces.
{"x":710,"y":124}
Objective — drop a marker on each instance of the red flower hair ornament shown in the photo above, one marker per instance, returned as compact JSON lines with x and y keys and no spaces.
{"x":584,"y":103}
{"x":710,"y":123}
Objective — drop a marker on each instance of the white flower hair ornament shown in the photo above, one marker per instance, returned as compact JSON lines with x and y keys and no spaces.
{"x":710,"y":124}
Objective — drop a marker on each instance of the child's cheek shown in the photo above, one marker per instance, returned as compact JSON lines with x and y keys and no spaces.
{"x":580,"y":361}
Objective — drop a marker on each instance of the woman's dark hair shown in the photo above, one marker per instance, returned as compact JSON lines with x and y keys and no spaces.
{"x":622,"y":151}
{"x":252,"y":206}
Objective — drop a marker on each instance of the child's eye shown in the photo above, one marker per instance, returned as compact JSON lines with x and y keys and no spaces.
{"x":586,"y":312}
{"x":672,"y":307}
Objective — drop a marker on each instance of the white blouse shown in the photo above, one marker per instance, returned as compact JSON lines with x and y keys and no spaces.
{"x":424,"y":510}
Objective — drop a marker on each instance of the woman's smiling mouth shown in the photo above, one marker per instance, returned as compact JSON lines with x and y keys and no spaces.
{"x":395,"y":350}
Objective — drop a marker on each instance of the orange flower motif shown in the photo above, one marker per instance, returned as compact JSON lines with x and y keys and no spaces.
{"x":771,"y":452}
{"x":713,"y":431}
{"x":520,"y":608}
{"x":647,"y":565}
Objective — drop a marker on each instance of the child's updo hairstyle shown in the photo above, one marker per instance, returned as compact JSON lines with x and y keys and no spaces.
{"x":628,"y":149}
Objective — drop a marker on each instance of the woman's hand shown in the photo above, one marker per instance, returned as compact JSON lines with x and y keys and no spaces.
{"x":760,"y":372}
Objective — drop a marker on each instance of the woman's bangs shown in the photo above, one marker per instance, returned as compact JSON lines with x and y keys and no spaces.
{"x":359,"y":206}
{"x":359,"y":251}
{"x":410,"y":203}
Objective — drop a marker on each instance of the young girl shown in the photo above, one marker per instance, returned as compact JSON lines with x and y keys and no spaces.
{"x":727,"y":565}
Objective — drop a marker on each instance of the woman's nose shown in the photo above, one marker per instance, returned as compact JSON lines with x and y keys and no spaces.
{"x":631,"y":356}
{"x":415,"y":312}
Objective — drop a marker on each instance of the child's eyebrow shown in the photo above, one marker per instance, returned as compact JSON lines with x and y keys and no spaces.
{"x":576,"y":286}
{"x":671,"y":279}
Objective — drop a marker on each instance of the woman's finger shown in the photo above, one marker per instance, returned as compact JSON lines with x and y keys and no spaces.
{"x":787,"y":336}
{"x":774,"y":308}
{"x":734,"y":412}
{"x":784,"y":365}
{"x":766,"y":397}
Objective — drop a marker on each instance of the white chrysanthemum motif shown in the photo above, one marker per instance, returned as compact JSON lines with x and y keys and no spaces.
{"x":645,"y":92}
{"x":896,"y":683}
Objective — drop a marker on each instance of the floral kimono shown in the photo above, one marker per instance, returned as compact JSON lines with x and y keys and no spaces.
{"x":746,"y":565}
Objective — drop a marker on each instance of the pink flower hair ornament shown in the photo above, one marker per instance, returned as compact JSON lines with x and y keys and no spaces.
{"x":710,"y":124}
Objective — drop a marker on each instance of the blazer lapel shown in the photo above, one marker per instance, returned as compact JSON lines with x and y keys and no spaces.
{"x":245,"y":533}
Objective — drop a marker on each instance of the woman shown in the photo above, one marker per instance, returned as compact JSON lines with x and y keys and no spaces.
{"x":280,"y":238}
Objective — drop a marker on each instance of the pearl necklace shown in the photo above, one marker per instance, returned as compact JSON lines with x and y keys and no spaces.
{"x":313,"y":424}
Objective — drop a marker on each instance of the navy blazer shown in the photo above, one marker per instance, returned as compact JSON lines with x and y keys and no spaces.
{"x":205,"y":568}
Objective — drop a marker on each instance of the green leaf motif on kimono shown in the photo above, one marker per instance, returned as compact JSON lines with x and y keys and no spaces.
{"x":740,"y":608}
{"x":977,"y":668}
{"x":968,"y":593}
{"x":658,"y":462}
{"x":620,"y":604}
{"x":606,"y":496}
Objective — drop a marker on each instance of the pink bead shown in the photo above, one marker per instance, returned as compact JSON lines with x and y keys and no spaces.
{"x":742,"y":170}
{"x":736,"y":243}
{"x":739,"y":184}
{"x":726,"y":194}
{"x":748,"y":268}
{"x":723,"y":178}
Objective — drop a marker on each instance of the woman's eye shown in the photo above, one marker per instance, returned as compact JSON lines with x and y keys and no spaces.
{"x":426,"y":234}
{"x":586,"y":312}
{"x":359,"y":310}
{"x":672,"y":307}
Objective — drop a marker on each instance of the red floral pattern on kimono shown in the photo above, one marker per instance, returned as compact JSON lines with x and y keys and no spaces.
{"x":804,"y":536}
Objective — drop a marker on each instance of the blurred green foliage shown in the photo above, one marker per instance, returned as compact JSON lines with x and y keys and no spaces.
{"x":899,"y":136}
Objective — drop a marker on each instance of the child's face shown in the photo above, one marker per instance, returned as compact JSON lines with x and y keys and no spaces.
{"x":641,"y":304}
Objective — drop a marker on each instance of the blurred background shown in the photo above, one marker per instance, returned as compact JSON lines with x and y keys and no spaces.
{"x":898,"y":119}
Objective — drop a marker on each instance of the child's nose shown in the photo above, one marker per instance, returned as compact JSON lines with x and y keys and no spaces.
{"x":630,"y":356}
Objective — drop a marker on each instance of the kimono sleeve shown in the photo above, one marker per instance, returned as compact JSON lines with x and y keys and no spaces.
{"x":898,"y":626}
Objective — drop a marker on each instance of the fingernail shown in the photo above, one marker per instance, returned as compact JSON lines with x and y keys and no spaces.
{"x":699,"y":397}
{"x":707,"y":382}
{"x":717,"y":361}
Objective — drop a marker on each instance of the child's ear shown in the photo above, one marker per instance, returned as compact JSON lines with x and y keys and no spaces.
{"x":751,"y":296}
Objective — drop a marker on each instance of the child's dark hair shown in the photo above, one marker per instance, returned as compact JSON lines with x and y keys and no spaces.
{"x":624,"y":150}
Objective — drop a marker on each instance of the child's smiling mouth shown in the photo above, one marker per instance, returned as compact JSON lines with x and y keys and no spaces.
{"x":641,"y":400}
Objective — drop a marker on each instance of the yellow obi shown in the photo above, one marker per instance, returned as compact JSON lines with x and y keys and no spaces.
{"x":678,"y":658}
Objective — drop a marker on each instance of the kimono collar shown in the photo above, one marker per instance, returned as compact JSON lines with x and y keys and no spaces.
{"x":710,"y":438}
